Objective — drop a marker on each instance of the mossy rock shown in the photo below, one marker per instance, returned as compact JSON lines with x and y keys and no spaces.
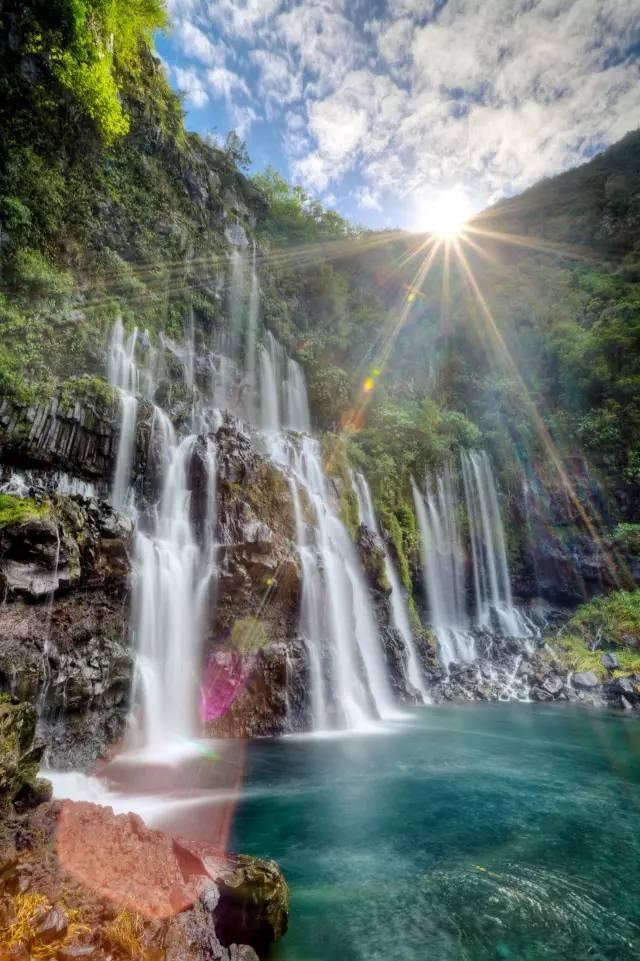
{"x":20,"y":510}
{"x":19,"y":756}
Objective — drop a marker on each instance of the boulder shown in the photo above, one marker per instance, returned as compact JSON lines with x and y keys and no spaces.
{"x":585,"y":680}
{"x":553,"y":685}
{"x":610,"y":661}
{"x":168,"y":898}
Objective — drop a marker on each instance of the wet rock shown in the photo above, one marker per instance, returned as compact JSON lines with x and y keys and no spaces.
{"x":68,"y":650}
{"x":624,"y":686}
{"x":80,"y":437}
{"x":585,"y":680}
{"x":20,"y":755}
{"x":553,"y":685}
{"x":610,"y":661}
{"x":254,"y":660}
{"x":540,"y":694}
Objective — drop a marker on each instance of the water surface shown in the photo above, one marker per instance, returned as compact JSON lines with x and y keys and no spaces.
{"x":466,"y":834}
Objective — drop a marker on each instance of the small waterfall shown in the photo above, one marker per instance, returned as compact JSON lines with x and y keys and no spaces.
{"x":237,"y":303}
{"x":189,"y":351}
{"x":312,"y":619}
{"x":271,"y":375}
{"x":443,"y":569}
{"x":399,"y":609}
{"x":443,"y":560}
{"x":171,"y":580}
{"x":336,"y":591}
{"x":250,"y":359}
{"x":492,"y":584}
{"x":297,"y":403}
{"x":123,"y":376}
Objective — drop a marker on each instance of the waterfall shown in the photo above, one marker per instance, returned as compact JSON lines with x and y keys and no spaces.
{"x":174,"y":566}
{"x":251,"y":341}
{"x":443,"y":560}
{"x":312,"y":619}
{"x":492,"y":584}
{"x":237,"y":301}
{"x":443,"y":568}
{"x":172,"y":574}
{"x":283,"y":389}
{"x":271,"y":373}
{"x":297,"y":403}
{"x":123,"y":376}
{"x":337,"y":608}
{"x":399,"y":610}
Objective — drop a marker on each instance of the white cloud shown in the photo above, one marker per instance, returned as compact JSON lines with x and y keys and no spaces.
{"x":242,"y":118}
{"x":190,"y":83}
{"x":223,"y":83}
{"x":367,"y":199}
{"x":196,"y":45}
{"x":314,"y":171}
{"x":241,"y":18}
{"x":394,"y":41}
{"x":420,"y":95}
{"x":326,"y":44}
{"x":277,"y":80}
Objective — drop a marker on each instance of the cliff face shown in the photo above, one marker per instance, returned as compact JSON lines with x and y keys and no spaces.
{"x":64,"y":565}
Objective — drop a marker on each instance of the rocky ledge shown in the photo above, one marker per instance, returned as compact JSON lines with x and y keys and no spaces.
{"x":64,"y":564}
{"x":78,"y":881}
{"x":511,"y":669}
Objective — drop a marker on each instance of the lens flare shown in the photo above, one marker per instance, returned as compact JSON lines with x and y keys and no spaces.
{"x":443,"y":214}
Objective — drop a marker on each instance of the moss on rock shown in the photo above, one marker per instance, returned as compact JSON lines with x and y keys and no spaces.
{"x":19,"y":510}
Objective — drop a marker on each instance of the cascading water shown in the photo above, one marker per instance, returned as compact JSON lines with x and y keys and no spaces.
{"x":171,"y":580}
{"x":398,"y":604}
{"x":337,"y":608}
{"x":251,"y":340}
{"x":443,"y":569}
{"x":492,"y":584}
{"x":271,"y":375}
{"x":174,"y":570}
{"x":123,"y":376}
{"x":443,"y":560}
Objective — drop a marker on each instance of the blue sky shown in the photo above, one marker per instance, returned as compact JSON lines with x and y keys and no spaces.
{"x":384,"y":109}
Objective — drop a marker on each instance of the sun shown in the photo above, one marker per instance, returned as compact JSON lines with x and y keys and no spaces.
{"x":444,"y":213}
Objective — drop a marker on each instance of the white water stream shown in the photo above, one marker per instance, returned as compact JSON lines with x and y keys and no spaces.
{"x":399,"y":607}
{"x":439,"y":511}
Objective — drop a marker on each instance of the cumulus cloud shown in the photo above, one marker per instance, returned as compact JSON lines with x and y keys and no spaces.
{"x":278,"y":81}
{"x":241,"y":18}
{"x":190,"y":83}
{"x":196,"y":45}
{"x":413,"y":95}
{"x":224,"y":83}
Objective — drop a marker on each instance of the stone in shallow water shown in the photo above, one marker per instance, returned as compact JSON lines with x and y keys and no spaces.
{"x":585,"y":679}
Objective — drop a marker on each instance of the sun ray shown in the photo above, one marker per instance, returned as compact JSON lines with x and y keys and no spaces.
{"x":538,"y":422}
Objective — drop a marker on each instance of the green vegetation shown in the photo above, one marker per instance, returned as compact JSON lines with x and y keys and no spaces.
{"x":605,"y":623}
{"x":107,"y":203}
{"x":615,"y":618}
{"x":577,"y":656}
{"x":19,"y":510}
